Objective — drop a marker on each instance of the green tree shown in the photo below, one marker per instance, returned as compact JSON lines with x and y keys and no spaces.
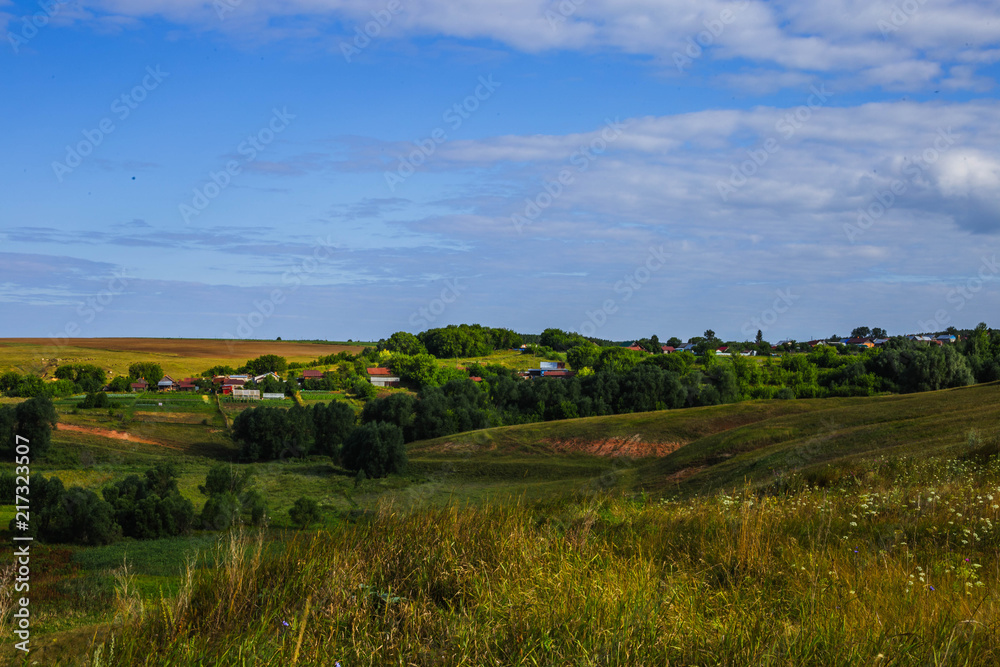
{"x":760,"y":337}
{"x":403,"y":342}
{"x":861,"y":332}
{"x":267,"y":363}
{"x":617,"y":360}
{"x":33,"y":419}
{"x":120,"y":385}
{"x":332,"y":423}
{"x":147,"y":370}
{"x":583,"y":356}
{"x":420,"y":370}
{"x":377,"y":448}
{"x":560,"y":340}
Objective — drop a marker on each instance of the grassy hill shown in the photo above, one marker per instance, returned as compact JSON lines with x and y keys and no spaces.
{"x":828,"y":531}
{"x":703,"y":449}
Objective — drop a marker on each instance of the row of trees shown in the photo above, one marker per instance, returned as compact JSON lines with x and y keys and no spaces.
{"x":141,"y":507}
{"x":145,"y":507}
{"x":462,"y":340}
{"x":268,"y":433}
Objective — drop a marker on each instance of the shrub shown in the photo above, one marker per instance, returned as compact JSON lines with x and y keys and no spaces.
{"x":304,"y":512}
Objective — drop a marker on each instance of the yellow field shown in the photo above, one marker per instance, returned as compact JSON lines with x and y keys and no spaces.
{"x":177,"y":357}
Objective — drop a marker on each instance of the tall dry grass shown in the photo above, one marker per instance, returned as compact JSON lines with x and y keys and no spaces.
{"x":902,"y":575}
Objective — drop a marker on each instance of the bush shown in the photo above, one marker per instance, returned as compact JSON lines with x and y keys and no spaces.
{"x":94,"y":400}
{"x":231,"y":501}
{"x":304,"y":512}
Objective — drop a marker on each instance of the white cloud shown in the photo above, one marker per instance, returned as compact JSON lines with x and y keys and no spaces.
{"x":833,"y":37}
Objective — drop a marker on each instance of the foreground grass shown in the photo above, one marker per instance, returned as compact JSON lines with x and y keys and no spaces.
{"x":901,"y":572}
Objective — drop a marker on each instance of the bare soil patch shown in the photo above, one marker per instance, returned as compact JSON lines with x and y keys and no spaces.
{"x":632,"y":447}
{"x":110,"y":433}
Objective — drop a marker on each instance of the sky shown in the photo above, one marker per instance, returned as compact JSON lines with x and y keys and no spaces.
{"x":345,"y":169}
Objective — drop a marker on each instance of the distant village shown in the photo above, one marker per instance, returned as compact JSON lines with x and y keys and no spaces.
{"x":234,"y":386}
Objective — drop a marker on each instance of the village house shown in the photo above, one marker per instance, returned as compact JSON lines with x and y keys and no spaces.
{"x":382,"y":377}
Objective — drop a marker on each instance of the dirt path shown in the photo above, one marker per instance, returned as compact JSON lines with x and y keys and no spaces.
{"x":114,"y":435}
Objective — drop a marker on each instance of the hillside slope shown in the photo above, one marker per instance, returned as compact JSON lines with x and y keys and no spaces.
{"x":712,"y":447}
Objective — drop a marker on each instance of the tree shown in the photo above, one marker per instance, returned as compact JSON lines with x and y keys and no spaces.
{"x":33,"y":419}
{"x":230,"y":500}
{"x":86,"y":377}
{"x":304,"y":512}
{"x":376,"y":448}
{"x":262,"y":433}
{"x":363,"y":389}
{"x":879,"y":332}
{"x":332,"y":424}
{"x":674,"y":341}
{"x":403,"y":342}
{"x":617,"y":360}
{"x":651,"y":344}
{"x":151,"y":506}
{"x":147,"y":370}
{"x":560,"y":340}
{"x":760,"y":337}
{"x":420,"y":370}
{"x":119,"y":385}
{"x":267,"y":363}
{"x":709,"y":335}
{"x":861,"y":332}
{"x":583,"y":356}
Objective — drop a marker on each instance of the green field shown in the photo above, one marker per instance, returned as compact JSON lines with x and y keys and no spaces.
{"x":764,"y":532}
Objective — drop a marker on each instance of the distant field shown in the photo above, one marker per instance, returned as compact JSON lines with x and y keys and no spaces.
{"x":178,"y":357}
{"x":199,"y":347}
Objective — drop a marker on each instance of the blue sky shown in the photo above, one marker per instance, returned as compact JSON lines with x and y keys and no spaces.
{"x":256,"y":169}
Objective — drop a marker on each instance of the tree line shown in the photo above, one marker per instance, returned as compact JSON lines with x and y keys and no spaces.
{"x":145,"y":507}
